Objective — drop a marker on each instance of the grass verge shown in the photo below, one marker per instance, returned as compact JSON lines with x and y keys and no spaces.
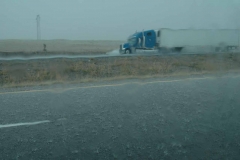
{"x":38,"y":72}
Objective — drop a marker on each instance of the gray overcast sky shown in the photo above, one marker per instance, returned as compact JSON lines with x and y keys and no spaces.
{"x":111,"y":19}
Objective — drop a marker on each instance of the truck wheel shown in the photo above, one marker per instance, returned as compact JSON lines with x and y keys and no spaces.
{"x":177,"y":49}
{"x":127,"y":51}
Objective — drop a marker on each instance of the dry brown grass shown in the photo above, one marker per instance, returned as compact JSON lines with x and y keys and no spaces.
{"x":73,"y":70}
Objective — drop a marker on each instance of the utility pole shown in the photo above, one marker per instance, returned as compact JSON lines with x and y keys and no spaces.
{"x":238,"y":39}
{"x":38,"y":27}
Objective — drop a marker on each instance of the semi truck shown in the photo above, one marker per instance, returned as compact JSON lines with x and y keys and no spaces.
{"x":169,"y":40}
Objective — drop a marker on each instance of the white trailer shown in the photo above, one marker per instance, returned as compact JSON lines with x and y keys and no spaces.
{"x":220,"y":39}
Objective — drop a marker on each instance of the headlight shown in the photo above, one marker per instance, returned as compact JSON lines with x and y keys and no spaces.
{"x":121,"y":47}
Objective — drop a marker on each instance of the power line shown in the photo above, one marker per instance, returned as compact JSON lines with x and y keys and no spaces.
{"x":38,"y":27}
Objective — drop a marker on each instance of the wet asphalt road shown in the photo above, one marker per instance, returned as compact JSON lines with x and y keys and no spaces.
{"x":114,"y":54}
{"x":28,"y":58}
{"x":169,"y":119}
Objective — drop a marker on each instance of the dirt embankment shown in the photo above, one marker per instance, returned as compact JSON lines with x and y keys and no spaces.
{"x":14,"y":73}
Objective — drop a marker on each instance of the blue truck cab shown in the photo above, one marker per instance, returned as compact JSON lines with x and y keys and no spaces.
{"x":139,"y":40}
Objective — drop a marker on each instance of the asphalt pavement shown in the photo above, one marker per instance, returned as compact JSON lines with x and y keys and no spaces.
{"x":114,"y":53}
{"x":175,"y":118}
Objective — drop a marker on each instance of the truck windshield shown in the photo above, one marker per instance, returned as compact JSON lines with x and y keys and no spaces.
{"x":132,"y":41}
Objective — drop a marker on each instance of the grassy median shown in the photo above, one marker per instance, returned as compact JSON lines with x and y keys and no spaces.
{"x":17,"y":73}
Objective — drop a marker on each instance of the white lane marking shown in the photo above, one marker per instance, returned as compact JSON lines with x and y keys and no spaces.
{"x":62,"y":119}
{"x":23,"y":124}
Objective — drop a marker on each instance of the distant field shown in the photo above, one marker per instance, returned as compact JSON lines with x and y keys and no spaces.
{"x":57,"y":46}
